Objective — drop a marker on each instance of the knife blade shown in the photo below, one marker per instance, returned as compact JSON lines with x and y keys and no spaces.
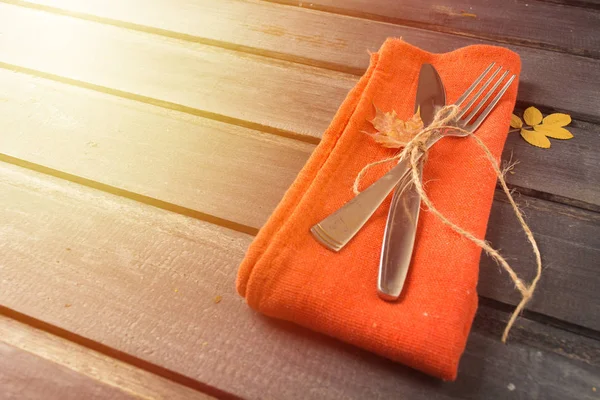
{"x":403,"y":215}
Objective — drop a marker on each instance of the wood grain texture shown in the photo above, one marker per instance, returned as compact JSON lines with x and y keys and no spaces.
{"x":574,"y":29}
{"x":240,"y":175}
{"x":143,"y":281}
{"x":219,"y":169}
{"x":196,"y":148}
{"x":333,"y":41}
{"x":37,"y":365}
{"x":569,"y":240}
{"x":246,"y":88}
{"x":26,"y":376}
{"x":202,"y":164}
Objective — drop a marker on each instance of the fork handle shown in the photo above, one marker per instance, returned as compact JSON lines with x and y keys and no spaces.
{"x":335,"y":231}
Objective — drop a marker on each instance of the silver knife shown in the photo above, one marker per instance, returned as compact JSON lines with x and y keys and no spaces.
{"x":401,"y":227}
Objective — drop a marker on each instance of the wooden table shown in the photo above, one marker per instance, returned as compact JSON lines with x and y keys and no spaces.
{"x":144,"y":143}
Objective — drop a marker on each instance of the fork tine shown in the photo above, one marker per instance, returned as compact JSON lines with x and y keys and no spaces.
{"x":485,"y":99}
{"x":491,"y":106}
{"x":479,"y":92}
{"x":473,"y":85}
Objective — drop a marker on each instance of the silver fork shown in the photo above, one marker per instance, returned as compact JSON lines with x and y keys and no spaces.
{"x":335,"y":231}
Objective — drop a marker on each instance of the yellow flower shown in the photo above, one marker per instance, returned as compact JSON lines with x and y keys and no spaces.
{"x":550,"y":126}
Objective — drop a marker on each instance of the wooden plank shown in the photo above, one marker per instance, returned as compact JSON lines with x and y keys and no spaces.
{"x":44,"y":121}
{"x":210,"y":168}
{"x":310,"y":37}
{"x":569,"y":240}
{"x":574,"y":29}
{"x":193,"y":162}
{"x":45,"y":127}
{"x":142,"y":281}
{"x":223,"y":84}
{"x":38,"y":365}
{"x":25,"y":376}
{"x":520,"y":366}
{"x":114,"y":263}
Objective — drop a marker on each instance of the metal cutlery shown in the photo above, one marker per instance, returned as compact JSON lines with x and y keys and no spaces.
{"x":335,"y":231}
{"x":403,"y":215}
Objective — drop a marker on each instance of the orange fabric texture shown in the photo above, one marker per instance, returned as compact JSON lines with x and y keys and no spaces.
{"x":287,"y":274}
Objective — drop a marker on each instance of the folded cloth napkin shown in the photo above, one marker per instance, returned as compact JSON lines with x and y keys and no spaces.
{"x":287,"y":274}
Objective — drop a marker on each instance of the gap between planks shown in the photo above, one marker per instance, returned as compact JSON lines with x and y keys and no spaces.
{"x":239,"y":122}
{"x":189,"y":37}
{"x":148,"y":200}
{"x":542,"y":319}
{"x":46,"y":365}
{"x":269,"y":40}
{"x":160,"y":103}
{"x":553,"y":198}
{"x":261,"y":214}
{"x":589,"y":4}
{"x":573,"y":180}
{"x":449,"y":21}
{"x":51,"y":124}
{"x":58,"y":351}
{"x":135,"y":312}
{"x":491,"y":287}
{"x":453,"y":18}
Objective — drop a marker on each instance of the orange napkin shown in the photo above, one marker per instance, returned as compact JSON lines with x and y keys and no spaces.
{"x":287,"y":274}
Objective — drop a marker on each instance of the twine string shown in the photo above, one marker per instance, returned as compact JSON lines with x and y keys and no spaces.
{"x":416,"y":149}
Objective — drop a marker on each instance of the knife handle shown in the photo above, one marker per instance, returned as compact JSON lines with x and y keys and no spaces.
{"x":399,"y":239}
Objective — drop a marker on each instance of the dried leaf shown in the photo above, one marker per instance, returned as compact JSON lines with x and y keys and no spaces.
{"x":384,"y":122}
{"x":387,"y":141}
{"x":553,"y":131}
{"x":515,"y":122}
{"x":535,"y":138}
{"x":557,"y":119}
{"x":414,"y":125}
{"x":532,"y":116}
{"x":393,"y":132}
